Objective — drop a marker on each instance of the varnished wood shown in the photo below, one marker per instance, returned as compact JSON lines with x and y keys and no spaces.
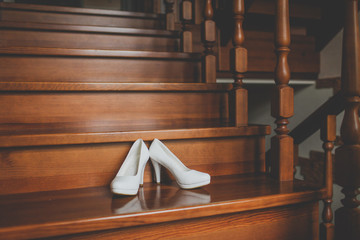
{"x":69,"y":166}
{"x":157,"y":6}
{"x":78,"y":16}
{"x":208,"y":39}
{"x":299,"y":220}
{"x":297,"y":9}
{"x":304,"y":60}
{"x":20,"y":135}
{"x":87,"y":28}
{"x":74,"y":10}
{"x":170,"y":15}
{"x":270,"y":75}
{"x":282,"y":103}
{"x":98,"y":53}
{"x":16,"y":34}
{"x":111,"y":87}
{"x":198,"y":11}
{"x":186,"y":17}
{"x":145,"y":108}
{"x":238,"y":66}
{"x":89,"y":210}
{"x":41,"y":65}
{"x":68,"y":123}
{"x":328,"y":136}
{"x":347,"y":158}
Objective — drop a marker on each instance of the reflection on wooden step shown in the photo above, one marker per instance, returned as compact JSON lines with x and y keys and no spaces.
{"x":91,"y":209}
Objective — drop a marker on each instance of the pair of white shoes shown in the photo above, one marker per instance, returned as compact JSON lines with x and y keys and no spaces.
{"x":131,"y":173}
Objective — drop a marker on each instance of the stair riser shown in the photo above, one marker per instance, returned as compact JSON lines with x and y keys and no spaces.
{"x":145,"y":109}
{"x":86,"y":69}
{"x":299,"y":220}
{"x":49,"y":39}
{"x":32,"y":169}
{"x":78,"y":19}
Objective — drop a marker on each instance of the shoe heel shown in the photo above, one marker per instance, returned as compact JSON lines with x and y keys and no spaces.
{"x":142,"y":177}
{"x":157,"y":169}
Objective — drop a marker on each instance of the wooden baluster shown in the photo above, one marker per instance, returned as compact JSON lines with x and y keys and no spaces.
{"x":328,"y":136}
{"x":157,"y":6}
{"x":238,"y":64}
{"x":282,"y":104}
{"x":209,"y":38}
{"x":186,"y":18}
{"x":347,"y":157}
{"x":170,"y":15}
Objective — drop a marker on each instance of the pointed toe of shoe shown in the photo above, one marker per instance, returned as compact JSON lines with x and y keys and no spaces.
{"x":194,"y":179}
{"x":125,"y":185}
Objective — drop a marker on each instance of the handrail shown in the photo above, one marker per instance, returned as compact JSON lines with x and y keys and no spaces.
{"x":333,"y":106}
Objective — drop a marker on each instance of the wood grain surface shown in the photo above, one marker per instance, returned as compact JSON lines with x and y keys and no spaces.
{"x":88,"y":210}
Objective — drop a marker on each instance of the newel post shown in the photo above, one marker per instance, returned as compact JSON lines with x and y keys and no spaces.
{"x":347,"y":157}
{"x":208,"y":38}
{"x":282,"y":104}
{"x":238,"y":65}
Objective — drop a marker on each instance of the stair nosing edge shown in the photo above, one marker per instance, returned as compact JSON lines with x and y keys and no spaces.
{"x":98,"y":53}
{"x":112,"y":87}
{"x":197,"y":211}
{"x":54,"y":139}
{"x":75,"y":10}
{"x":88,"y":29}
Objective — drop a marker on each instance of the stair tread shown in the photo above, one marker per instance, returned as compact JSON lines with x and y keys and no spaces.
{"x":44,"y":214}
{"x":85,"y":11}
{"x":37,"y":51}
{"x":98,"y":86}
{"x":86,"y":28}
{"x":37,"y":134}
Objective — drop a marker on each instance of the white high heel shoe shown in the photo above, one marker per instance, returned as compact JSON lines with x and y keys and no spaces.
{"x":186,"y":178}
{"x":131,"y":173}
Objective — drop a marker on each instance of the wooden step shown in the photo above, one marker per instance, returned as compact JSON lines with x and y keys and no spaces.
{"x":27,"y":34}
{"x":304,"y":60}
{"x":79,"y":16}
{"x":234,"y":204}
{"x":28,"y":64}
{"x":34,"y":160}
{"x":76,"y":134}
{"x":151,"y":105}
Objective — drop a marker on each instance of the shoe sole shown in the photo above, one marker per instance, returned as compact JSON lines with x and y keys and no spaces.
{"x":194,"y":185}
{"x":124,"y":191}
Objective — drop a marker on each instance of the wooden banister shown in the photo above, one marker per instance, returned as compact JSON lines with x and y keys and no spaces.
{"x":347,"y":164}
{"x":333,"y":106}
{"x":170,"y":15}
{"x":208,"y":38}
{"x":157,"y":6}
{"x":224,"y":19}
{"x":186,"y":17}
{"x":238,"y":62}
{"x":328,"y":136}
{"x":282,"y":104}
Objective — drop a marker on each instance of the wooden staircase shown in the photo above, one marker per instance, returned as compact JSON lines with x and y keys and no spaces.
{"x":79,"y":86}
